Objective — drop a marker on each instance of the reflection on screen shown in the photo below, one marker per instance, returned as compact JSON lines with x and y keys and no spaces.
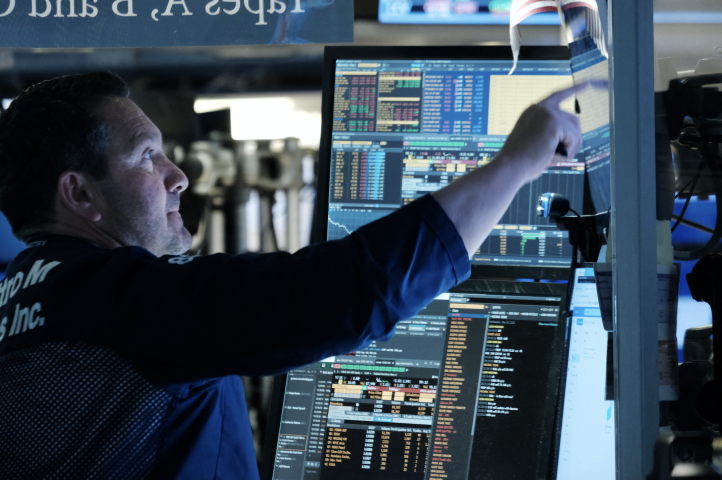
{"x":406,"y":128}
{"x":588,"y":63}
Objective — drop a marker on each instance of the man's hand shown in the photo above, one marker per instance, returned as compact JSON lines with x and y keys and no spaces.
{"x":535,"y":140}
{"x":476,"y":202}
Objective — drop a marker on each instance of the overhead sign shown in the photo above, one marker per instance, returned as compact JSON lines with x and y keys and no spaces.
{"x":172,"y":23}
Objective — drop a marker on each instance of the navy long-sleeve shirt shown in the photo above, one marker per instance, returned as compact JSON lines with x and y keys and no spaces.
{"x":119,"y":364}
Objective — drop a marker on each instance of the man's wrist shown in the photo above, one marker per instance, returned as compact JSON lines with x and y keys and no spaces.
{"x":512,"y":169}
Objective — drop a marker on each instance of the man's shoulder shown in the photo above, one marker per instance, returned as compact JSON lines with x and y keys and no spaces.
{"x":74,"y":247}
{"x":67,"y":255}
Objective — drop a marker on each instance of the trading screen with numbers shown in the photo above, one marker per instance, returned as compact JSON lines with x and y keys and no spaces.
{"x":406,"y":128}
{"x":460,"y":391}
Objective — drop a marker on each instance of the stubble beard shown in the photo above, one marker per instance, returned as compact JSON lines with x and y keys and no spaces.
{"x":137,"y":226}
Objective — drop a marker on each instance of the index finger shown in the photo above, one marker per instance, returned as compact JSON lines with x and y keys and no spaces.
{"x":556,"y":98}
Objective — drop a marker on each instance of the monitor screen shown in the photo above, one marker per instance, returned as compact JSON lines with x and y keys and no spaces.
{"x":588,"y":63}
{"x":586,"y":438}
{"x":405,"y":127}
{"x":456,"y":12}
{"x":465,"y":389}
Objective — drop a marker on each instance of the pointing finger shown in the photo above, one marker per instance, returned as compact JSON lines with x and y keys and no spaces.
{"x":556,"y":98}
{"x":553,"y":100}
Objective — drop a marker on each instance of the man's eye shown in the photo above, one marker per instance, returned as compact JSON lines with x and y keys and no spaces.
{"x":147,"y":155}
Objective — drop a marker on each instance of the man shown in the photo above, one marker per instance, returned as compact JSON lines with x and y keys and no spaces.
{"x":119,"y":357}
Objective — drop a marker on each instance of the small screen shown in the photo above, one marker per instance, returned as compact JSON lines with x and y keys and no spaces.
{"x":460,"y":391}
{"x":587,"y":441}
{"x":406,"y":128}
{"x":456,"y":12}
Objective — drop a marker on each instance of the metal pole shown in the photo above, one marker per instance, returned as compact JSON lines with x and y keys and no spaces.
{"x":631,"y":73}
{"x":293,"y":219}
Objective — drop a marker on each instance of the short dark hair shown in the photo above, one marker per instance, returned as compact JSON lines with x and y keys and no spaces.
{"x":49,"y":129}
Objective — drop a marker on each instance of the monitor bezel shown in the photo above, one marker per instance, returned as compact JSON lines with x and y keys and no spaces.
{"x":471,"y":286}
{"x":333,"y":53}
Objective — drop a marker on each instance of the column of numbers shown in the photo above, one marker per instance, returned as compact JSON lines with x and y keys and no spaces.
{"x":384,"y":452}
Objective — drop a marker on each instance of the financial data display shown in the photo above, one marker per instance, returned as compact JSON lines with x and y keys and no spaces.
{"x":588,"y":63}
{"x":492,"y":414}
{"x":454,"y":12}
{"x":460,"y":391}
{"x":586,"y":443}
{"x":405,"y":128}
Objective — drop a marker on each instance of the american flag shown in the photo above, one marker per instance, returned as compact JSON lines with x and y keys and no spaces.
{"x":521,"y":9}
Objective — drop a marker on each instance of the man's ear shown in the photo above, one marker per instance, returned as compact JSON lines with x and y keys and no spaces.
{"x":78,"y":194}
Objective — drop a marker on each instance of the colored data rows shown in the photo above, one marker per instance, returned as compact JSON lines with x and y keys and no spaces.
{"x":435,"y":144}
{"x":375,"y":368}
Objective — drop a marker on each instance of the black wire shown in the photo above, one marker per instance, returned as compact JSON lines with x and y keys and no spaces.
{"x":588,"y":228}
{"x":681,"y":190}
{"x":691,"y":193}
{"x":694,"y":179}
{"x":580,"y":218}
{"x":686,"y":203}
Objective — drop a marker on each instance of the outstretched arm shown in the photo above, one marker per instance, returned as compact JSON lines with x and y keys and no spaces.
{"x":476,"y":202}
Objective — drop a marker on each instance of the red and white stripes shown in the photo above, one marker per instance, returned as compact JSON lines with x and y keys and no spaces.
{"x":521,"y":9}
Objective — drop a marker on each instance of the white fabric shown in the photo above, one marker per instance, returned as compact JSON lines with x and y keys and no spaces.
{"x":520,"y":9}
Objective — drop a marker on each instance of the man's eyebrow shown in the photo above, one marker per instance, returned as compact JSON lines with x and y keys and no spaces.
{"x":145,"y":137}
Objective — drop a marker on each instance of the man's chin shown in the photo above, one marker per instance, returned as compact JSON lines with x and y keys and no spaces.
{"x":180,"y":243}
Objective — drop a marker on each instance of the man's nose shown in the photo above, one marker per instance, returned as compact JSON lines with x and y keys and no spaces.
{"x":176,"y":181}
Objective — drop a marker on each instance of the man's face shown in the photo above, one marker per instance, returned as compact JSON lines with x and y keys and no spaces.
{"x":141,"y":195}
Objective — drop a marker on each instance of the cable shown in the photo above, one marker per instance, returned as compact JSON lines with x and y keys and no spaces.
{"x":575,"y":213}
{"x":695,"y":225}
{"x":689,"y":197}
{"x":588,"y":228}
{"x":681,"y":190}
{"x":693,"y":183}
{"x":686,"y":204}
{"x":714,"y":172}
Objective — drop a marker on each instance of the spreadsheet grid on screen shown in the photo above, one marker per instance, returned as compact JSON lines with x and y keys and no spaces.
{"x":402,"y":129}
{"x":460,"y":391}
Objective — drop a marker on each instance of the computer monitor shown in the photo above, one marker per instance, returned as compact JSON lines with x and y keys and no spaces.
{"x":456,"y":12}
{"x":399,"y":123}
{"x":465,"y":389}
{"x":588,"y":63}
{"x":586,"y":438}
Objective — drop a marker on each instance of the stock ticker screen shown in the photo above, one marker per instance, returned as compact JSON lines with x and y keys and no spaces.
{"x":588,"y":63}
{"x":406,"y":128}
{"x":460,"y":391}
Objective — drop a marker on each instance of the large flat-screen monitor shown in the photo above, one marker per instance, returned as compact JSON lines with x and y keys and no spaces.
{"x":456,"y":12}
{"x":400,"y":123}
{"x":586,"y":438}
{"x":467,"y":388}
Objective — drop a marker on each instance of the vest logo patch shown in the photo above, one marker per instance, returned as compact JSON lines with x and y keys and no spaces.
{"x":182,"y":260}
